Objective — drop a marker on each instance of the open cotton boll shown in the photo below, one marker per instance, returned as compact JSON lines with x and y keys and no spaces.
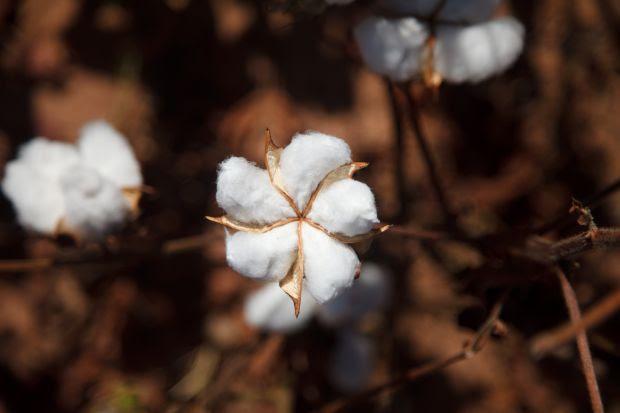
{"x":107,"y":151}
{"x":392,"y":47}
{"x":368,"y":294}
{"x":245,"y":192}
{"x":329,"y":265}
{"x":307,"y":160}
{"x":37,"y":199}
{"x":345,"y":207}
{"x":48,"y":158}
{"x":352,"y":362}
{"x":470,"y":11}
{"x":473,"y":53}
{"x":94,"y":206}
{"x":266,"y":256}
{"x":270,"y":309}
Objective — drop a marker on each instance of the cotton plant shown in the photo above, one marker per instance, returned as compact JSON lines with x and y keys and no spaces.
{"x":85,"y":190}
{"x":435,"y":40}
{"x":295,"y":222}
{"x":352,"y":360}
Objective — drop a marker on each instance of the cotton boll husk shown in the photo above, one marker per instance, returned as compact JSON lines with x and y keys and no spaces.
{"x":266,"y":256}
{"x":346,"y":207}
{"x":94,"y":206}
{"x":452,"y":10}
{"x":392,"y":47}
{"x":271,"y":309}
{"x":37,"y":199}
{"x":352,"y":362}
{"x":329,"y":265}
{"x":473,"y":53}
{"x":368,"y":294}
{"x":48,"y":158}
{"x":245,"y":192}
{"x":307,"y":160}
{"x":107,"y":151}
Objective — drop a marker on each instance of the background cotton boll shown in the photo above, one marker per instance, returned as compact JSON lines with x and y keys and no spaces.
{"x":307,"y":159}
{"x":476,"y":52}
{"x":392,"y":47}
{"x":369,"y":293}
{"x":329,"y":265}
{"x":94,"y":206}
{"x":266,"y":256}
{"x":37,"y":200}
{"x":352,"y":362}
{"x":346,"y":207}
{"x":47,"y":157}
{"x":106,"y":150}
{"x":246,"y":194}
{"x":270,"y":309}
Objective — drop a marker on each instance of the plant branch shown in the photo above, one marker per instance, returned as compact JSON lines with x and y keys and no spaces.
{"x":470,"y":349}
{"x":582,"y":342}
{"x":422,"y":140}
{"x":399,"y":152}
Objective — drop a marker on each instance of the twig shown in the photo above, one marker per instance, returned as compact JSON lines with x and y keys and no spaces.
{"x":547,"y":341}
{"x":421,"y":139}
{"x":470,"y":349}
{"x":591,"y":202}
{"x":421,"y":234}
{"x":180,"y":245}
{"x":551,"y":252}
{"x":582,"y":342}
{"x":399,"y":152}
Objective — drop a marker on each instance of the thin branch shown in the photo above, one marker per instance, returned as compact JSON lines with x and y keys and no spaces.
{"x":470,"y":349}
{"x":547,"y":341}
{"x":582,"y":342}
{"x":422,"y":140}
{"x":569,"y":217}
{"x":421,"y":234}
{"x":399,"y":152}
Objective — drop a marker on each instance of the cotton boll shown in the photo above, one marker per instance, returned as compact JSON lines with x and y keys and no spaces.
{"x":393,"y":48}
{"x":266,"y":256}
{"x":476,"y":52}
{"x":270,"y":309}
{"x":37,"y":199}
{"x":368,"y":294}
{"x":94,"y":206}
{"x":107,"y":151}
{"x":48,"y":158}
{"x":329,"y":265}
{"x":346,"y":207}
{"x":352,"y":362}
{"x":246,"y":194}
{"x":307,"y":160}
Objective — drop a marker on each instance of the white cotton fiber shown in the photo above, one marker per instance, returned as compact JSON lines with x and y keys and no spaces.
{"x":107,"y":151}
{"x":307,"y":160}
{"x":473,"y":53}
{"x":246,"y":194}
{"x":352,"y":362}
{"x":392,"y":47}
{"x":48,"y":158}
{"x":271,"y":309}
{"x":329,"y":265}
{"x":346,"y":207}
{"x":37,"y":200}
{"x":368,"y":294}
{"x":266,"y":256}
{"x":469,"y":11}
{"x":94,"y":206}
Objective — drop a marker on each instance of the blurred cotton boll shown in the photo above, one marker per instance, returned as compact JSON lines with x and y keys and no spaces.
{"x":352,"y":362}
{"x":78,"y":189}
{"x":468,"y":45}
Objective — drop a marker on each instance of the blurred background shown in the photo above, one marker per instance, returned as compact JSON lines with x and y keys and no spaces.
{"x":191,"y":82}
